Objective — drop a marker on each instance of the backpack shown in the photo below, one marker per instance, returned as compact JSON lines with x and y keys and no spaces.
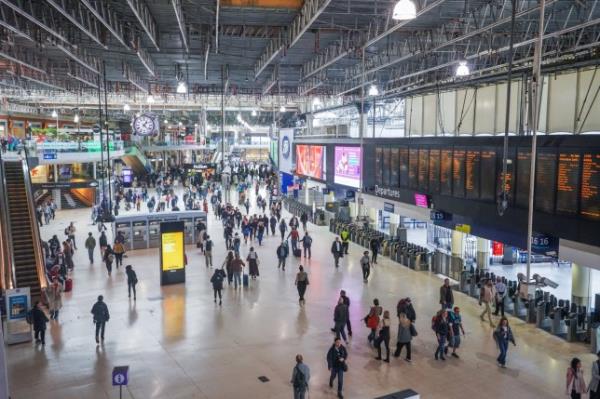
{"x":435,"y":321}
{"x":208,"y":245}
{"x":111,"y":258}
{"x":299,"y":381}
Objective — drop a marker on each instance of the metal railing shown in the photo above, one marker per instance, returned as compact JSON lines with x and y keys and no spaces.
{"x":6,"y":255}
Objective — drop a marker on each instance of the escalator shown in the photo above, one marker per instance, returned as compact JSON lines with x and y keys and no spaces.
{"x":22,"y":229}
{"x":136,"y":160}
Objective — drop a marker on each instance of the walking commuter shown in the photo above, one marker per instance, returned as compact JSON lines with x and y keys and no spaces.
{"x":486,"y":296}
{"x":109,"y":257}
{"x":282,"y":229}
{"x":253,"y":263}
{"x":503,"y":335}
{"x":446,"y":295}
{"x":306,"y":244}
{"x":405,"y":306}
{"x":208,"y":245}
{"x":303,"y":220}
{"x":337,"y":357}
{"x":54,"y":294}
{"x":406,"y":332}
{"x":500,"y":296}
{"x":273,"y":223}
{"x":228,"y":266}
{"x":575,"y":380}
{"x":440,"y":327}
{"x":295,"y":236}
{"x":300,"y":378}
{"x":375,"y":246}
{"x":347,"y":303}
{"x":372,"y":320}
{"x":103,"y":241}
{"x":365,"y":265}
{"x":71,"y":233}
{"x":456,"y":328}
{"x":384,"y":336}
{"x":340,"y":318}
{"x":237,"y":266}
{"x":131,"y":281}
{"x":90,"y":245}
{"x":39,"y":320}
{"x":345,"y":236}
{"x":282,"y":254}
{"x":217,"y":283}
{"x":101,"y":317}
{"x":236,"y":243}
{"x":337,"y":250}
{"x":301,"y":284}
{"x":119,"y":250}
{"x":594,"y":387}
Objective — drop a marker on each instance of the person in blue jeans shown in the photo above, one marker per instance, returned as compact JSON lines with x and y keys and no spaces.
{"x":336,"y":364}
{"x":503,"y":335}
{"x":441,"y":328}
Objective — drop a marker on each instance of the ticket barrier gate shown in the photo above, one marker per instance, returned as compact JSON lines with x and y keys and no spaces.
{"x":387,"y":245}
{"x":595,"y":337}
{"x":441,"y":263}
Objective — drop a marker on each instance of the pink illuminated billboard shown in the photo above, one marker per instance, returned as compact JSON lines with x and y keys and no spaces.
{"x":348,"y":167}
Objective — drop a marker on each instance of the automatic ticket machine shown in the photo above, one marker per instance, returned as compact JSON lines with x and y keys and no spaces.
{"x":153,"y":233}
{"x":125,"y":229}
{"x":188,"y":230}
{"x":140,"y":231}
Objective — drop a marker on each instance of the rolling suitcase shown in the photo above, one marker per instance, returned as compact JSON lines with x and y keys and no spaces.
{"x":245,"y":280}
{"x":297,"y":252}
{"x":68,"y":284}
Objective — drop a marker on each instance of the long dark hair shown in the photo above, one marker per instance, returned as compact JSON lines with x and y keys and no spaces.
{"x":574,"y":362}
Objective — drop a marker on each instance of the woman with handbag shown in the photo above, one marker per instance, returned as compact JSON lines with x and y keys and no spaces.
{"x":301,"y":284}
{"x":575,"y":380}
{"x":253,"y":262}
{"x":384,"y":336}
{"x":372,"y":319}
{"x":406,"y":332}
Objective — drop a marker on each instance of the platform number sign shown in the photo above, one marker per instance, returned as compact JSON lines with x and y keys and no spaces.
{"x":119,"y":375}
{"x":544,"y":244}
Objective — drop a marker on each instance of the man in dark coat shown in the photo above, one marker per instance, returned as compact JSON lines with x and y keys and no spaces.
{"x":282,"y":254}
{"x":39,"y":321}
{"x":101,"y":316}
{"x":337,"y":249}
{"x":336,"y":363}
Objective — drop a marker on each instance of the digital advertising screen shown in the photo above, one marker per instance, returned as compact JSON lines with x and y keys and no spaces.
{"x":172,"y":251}
{"x":348,"y":168}
{"x":310,"y":161}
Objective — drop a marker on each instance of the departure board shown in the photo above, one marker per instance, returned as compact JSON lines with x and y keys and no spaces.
{"x":523,"y":173}
{"x":590,"y":185}
{"x":386,"y":166}
{"x":488,"y":175}
{"x":423,"y":169}
{"x":403,"y":166}
{"x":458,"y":173}
{"x":434,"y":171}
{"x":413,"y":168}
{"x":394,"y":167}
{"x":378,"y":163}
{"x":472,"y":174}
{"x":446,"y":172}
{"x":545,"y":181}
{"x":567,"y":187}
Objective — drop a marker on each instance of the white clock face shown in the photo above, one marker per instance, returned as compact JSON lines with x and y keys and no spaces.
{"x":144,"y":125}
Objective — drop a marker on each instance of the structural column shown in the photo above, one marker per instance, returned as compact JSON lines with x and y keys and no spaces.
{"x":483,"y":253}
{"x":457,"y":243}
{"x":580,"y":284}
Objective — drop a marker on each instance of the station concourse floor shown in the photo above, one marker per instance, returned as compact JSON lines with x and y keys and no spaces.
{"x":179,"y":344}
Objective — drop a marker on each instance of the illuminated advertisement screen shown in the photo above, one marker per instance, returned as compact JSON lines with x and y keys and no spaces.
{"x":310,"y":161}
{"x":348,"y":166}
{"x":172,"y":251}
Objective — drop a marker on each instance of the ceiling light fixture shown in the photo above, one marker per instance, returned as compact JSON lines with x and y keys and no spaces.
{"x":150,"y":99}
{"x":404,"y":10}
{"x":54,"y":114}
{"x":182,"y":87}
{"x":373,"y":91}
{"x":462,"y":69}
{"x":76,"y":118}
{"x":282,"y":109}
{"x":316,"y":102}
{"x":126,"y":107}
{"x":254,"y":113}
{"x":166,"y":121}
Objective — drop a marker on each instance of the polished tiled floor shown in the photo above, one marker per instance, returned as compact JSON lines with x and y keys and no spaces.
{"x":178,"y":344}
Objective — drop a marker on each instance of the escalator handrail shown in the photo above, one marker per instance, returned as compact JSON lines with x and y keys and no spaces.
{"x":40,"y":263}
{"x":8,"y":274}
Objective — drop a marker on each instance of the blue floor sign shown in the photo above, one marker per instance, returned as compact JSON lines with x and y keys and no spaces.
{"x":119,"y":375}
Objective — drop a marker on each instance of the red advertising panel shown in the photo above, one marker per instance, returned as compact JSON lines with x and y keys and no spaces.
{"x":497,"y":248}
{"x":310,"y":161}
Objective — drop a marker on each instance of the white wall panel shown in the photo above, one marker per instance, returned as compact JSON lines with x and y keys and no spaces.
{"x":485,"y":110}
{"x":588,"y":84}
{"x":515,"y":104}
{"x":415,"y":112}
{"x":561,"y":102}
{"x":447,"y":116}
{"x":430,"y":114}
{"x":543,"y":124}
{"x":465,"y":110}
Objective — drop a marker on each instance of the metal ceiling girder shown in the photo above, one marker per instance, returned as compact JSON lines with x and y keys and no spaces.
{"x":82,"y":75}
{"x":330,"y":56}
{"x":177,"y":7}
{"x":272,"y":82}
{"x":206,"y":53}
{"x":80,"y":17}
{"x":312,"y":84}
{"x":24,"y":58}
{"x":27,"y":10}
{"x":40,"y":79}
{"x":144,"y":57}
{"x":144,"y":16}
{"x":108,"y":18}
{"x":15,"y":23}
{"x":133,"y":78}
{"x":80,"y":56}
{"x":311,"y":10}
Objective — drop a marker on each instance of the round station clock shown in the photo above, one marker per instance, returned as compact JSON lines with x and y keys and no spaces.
{"x":145,"y":125}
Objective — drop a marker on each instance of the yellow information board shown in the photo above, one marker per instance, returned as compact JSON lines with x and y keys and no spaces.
{"x":172,"y":251}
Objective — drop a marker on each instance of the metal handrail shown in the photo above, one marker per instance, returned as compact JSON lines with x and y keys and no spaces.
{"x":6,"y":256}
{"x":37,"y":246}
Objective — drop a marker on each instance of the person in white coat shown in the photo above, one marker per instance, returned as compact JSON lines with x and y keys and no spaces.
{"x":54,"y":294}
